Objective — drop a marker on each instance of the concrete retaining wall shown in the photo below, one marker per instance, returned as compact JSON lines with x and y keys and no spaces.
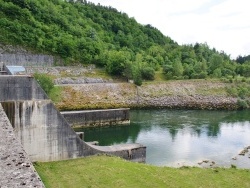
{"x":97,"y":117}
{"x":14,"y":88}
{"x":16,"y":169}
{"x":43,"y":131}
{"x":14,"y":55}
{"x":27,"y":59}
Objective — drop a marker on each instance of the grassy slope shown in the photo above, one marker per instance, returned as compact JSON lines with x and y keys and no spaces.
{"x":104,"y":171}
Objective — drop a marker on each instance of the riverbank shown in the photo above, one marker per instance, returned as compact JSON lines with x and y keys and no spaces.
{"x":184,"y":94}
{"x":105,"y":171}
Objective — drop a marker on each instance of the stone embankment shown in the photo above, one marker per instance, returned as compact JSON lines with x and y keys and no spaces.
{"x":81,"y":80}
{"x":69,"y":75}
{"x":16,"y":169}
{"x":189,"y":94}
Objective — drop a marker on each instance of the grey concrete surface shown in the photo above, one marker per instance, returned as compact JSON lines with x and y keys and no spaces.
{"x":16,"y":169}
{"x":16,"y":88}
{"x":97,"y":117}
{"x":14,"y":55}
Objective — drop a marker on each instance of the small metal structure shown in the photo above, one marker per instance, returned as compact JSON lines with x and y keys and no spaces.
{"x":16,"y":70}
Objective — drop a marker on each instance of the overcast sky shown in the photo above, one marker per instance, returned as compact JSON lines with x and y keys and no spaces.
{"x":223,"y":24}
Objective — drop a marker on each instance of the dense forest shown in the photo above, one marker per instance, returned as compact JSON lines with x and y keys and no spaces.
{"x":82,"y":32}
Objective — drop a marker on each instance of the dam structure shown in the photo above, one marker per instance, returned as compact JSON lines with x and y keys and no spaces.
{"x":43,"y":132}
{"x":86,"y":118}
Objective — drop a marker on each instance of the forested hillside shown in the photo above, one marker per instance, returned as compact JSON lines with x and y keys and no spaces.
{"x":82,"y":32}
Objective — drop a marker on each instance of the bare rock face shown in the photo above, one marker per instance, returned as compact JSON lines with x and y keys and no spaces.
{"x":16,"y":169}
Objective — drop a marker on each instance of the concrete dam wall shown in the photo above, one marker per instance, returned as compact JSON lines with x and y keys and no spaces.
{"x":43,"y":131}
{"x":16,"y":169}
{"x":20,"y":88}
{"x":87,"y":118}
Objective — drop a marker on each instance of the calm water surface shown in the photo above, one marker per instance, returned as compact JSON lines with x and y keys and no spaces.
{"x":183,"y":137}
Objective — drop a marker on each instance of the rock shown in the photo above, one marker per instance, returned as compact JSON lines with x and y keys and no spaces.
{"x":243,"y":152}
{"x":79,"y":80}
{"x":5,"y":157}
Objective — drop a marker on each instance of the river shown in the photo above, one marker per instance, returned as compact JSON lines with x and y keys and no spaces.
{"x":183,"y":137}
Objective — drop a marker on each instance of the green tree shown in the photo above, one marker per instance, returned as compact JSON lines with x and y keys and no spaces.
{"x":217,"y":73}
{"x":148,"y":73}
{"x":216,"y":61}
{"x":128,"y":70}
{"x":188,"y":70}
{"x":168,"y":71}
{"x":244,"y":69}
{"x":177,"y":68}
{"x":137,"y":77}
{"x":116,"y":62}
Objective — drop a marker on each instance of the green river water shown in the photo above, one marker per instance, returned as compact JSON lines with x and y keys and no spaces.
{"x":183,"y":137}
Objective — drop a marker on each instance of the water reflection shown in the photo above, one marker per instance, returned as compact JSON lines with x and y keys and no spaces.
{"x":185,"y":137}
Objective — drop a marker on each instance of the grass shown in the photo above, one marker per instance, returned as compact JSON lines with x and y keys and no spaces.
{"x":211,"y":91}
{"x":55,"y":94}
{"x":105,"y":171}
{"x":98,"y":73}
{"x":159,"y":76}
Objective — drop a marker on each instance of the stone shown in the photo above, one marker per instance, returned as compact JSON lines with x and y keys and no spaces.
{"x":243,"y":152}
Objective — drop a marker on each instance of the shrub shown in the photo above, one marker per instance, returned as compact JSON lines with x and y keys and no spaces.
{"x":148,"y":73}
{"x":242,"y":104}
{"x":137,"y":77}
{"x":243,"y":91}
{"x":232,"y":91}
{"x":45,"y":82}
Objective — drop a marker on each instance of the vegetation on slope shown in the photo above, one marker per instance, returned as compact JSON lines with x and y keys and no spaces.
{"x":82,"y":32}
{"x":104,"y":171}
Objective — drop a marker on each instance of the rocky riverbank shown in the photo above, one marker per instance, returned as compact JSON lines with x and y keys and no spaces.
{"x":189,"y":94}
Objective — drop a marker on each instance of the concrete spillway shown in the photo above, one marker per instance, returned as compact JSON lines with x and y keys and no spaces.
{"x":16,"y":169}
{"x":43,"y":131}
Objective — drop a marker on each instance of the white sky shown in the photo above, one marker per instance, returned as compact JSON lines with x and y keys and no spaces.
{"x":223,"y":24}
